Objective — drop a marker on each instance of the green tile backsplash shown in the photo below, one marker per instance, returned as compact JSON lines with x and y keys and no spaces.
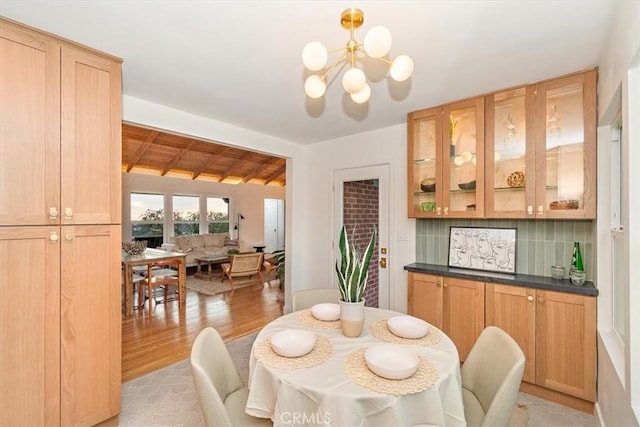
{"x":541,"y":243}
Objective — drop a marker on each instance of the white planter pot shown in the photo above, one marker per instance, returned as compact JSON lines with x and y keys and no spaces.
{"x":351,"y":318}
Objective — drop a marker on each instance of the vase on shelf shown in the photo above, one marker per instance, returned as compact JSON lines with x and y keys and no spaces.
{"x":351,"y":318}
{"x":452,"y":150}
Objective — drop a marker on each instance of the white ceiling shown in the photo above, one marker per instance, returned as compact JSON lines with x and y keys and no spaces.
{"x":239,"y":61}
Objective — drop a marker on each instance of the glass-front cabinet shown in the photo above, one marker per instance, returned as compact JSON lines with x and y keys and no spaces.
{"x":565,"y":120}
{"x":446,"y":161}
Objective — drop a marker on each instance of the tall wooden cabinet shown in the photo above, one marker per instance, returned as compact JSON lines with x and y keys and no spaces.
{"x":60,"y":232}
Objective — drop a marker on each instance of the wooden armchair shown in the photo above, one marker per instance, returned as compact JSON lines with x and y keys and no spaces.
{"x":159,"y":273}
{"x":242,"y":268}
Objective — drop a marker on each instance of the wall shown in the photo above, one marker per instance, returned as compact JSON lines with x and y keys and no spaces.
{"x":619,"y":84}
{"x":360,"y":217}
{"x":540,"y":244}
{"x":245,"y":198}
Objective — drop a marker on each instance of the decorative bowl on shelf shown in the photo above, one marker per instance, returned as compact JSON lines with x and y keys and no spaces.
{"x":559,"y":205}
{"x":428,"y":185}
{"x":407,"y":327}
{"x":471,"y":185}
{"x":326,"y":311}
{"x":516,"y":179}
{"x":391,"y":361}
{"x":134,"y":248}
{"x":293,"y":342}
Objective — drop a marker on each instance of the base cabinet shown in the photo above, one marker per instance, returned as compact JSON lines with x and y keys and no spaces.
{"x":556,"y":331}
{"x":454,"y":305}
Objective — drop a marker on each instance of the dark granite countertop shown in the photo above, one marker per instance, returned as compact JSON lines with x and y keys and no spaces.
{"x":528,"y":280}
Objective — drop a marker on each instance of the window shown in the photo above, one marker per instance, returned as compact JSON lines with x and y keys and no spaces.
{"x":217,"y":215}
{"x":147,"y":217}
{"x":186,"y":215}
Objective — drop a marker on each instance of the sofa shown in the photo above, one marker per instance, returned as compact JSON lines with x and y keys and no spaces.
{"x":199,"y":245}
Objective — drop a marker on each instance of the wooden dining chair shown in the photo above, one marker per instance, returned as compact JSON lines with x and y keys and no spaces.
{"x":159,"y":273}
{"x":244,"y":269}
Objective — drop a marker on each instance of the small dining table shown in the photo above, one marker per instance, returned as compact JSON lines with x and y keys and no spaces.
{"x":333,"y":386}
{"x":147,"y":257}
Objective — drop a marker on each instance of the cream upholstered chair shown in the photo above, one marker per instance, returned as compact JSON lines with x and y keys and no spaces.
{"x":221,"y":392}
{"x":243,"y":268}
{"x":491,"y":378}
{"x":306,"y":298}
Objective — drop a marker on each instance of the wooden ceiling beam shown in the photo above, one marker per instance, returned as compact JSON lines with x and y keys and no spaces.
{"x":230,"y":171}
{"x":207,"y":161}
{"x":176,"y":158}
{"x":142,"y":149}
{"x":262,"y":167}
{"x":273,"y":177}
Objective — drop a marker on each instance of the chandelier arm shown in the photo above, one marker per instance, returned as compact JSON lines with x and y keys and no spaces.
{"x":337,"y":61}
{"x":386,"y":61}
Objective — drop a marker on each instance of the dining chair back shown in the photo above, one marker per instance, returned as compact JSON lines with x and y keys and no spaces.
{"x":244,"y":269}
{"x":220,"y":390}
{"x":491,"y":377}
{"x":306,"y":298}
{"x":159,"y":273}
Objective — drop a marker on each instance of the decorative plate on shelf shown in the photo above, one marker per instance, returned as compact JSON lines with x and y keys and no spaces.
{"x":516,"y":179}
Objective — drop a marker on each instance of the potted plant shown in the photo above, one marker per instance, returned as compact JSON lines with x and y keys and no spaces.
{"x":353,"y":271}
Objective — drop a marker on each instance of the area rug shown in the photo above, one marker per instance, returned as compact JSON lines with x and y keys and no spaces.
{"x":212,"y":287}
{"x":167,"y":397}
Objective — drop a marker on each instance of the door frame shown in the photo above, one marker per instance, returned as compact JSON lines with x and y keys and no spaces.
{"x":380,"y":172}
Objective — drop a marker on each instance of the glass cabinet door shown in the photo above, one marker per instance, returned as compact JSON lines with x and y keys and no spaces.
{"x":565,"y":157}
{"x":510,"y":154}
{"x":425,"y":134}
{"x":463,"y":159}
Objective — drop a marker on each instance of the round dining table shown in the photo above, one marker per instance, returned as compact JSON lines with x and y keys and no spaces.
{"x":331,"y":386}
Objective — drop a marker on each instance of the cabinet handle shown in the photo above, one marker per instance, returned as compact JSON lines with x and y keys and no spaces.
{"x":530,"y":298}
{"x":445,"y":284}
{"x":68,"y":237}
{"x":540,"y":209}
{"x":53,"y":213}
{"x":68,"y":213}
{"x":439,"y":211}
{"x":446,"y":210}
{"x":540,"y":300}
{"x":439,"y":283}
{"x":529,"y":210}
{"x":53,"y":237}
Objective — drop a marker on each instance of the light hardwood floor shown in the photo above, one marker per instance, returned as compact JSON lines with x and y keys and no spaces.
{"x":153,"y":341}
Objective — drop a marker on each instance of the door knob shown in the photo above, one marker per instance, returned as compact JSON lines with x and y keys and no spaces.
{"x":383,"y":263}
{"x":530,"y":298}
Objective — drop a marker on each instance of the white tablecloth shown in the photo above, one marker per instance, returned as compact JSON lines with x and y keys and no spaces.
{"x":325,"y":395}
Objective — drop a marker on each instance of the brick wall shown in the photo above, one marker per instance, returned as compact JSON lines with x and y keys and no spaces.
{"x":361,"y":212}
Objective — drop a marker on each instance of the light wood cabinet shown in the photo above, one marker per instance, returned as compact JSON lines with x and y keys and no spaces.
{"x":527,"y":152}
{"x":445,"y":160}
{"x":60,"y":196}
{"x":556,"y":331}
{"x":454,"y":305}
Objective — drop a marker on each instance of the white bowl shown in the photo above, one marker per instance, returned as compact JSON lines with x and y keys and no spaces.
{"x":293,"y":342}
{"x":407,"y":327}
{"x":391,"y":361}
{"x":326,"y":311}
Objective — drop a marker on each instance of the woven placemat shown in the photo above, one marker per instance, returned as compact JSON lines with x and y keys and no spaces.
{"x":306,"y":318}
{"x":426,"y":375}
{"x":380,"y":330}
{"x":320,"y":353}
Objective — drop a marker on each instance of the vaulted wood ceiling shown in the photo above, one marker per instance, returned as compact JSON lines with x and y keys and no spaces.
{"x":151,"y":150}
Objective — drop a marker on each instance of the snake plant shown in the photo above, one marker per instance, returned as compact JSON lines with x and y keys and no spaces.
{"x":353,"y":269}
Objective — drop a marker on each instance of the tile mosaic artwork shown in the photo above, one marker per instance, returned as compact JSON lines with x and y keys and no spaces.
{"x":540,"y":243}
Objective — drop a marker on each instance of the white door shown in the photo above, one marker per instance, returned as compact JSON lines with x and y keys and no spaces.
{"x":273,"y":224}
{"x":380,"y":175}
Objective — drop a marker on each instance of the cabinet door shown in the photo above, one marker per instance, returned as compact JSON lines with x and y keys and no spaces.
{"x":513,"y":309}
{"x":29,"y":326}
{"x":566,"y":343}
{"x":425,"y":298}
{"x":91,"y":138}
{"x":566,"y":144}
{"x":424,"y":171}
{"x":91,"y":323}
{"x":463,"y":159}
{"x":510,"y":154}
{"x":463,"y":313}
{"x":29,"y":127}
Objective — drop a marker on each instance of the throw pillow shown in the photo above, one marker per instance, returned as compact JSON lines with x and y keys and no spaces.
{"x":230,"y":242}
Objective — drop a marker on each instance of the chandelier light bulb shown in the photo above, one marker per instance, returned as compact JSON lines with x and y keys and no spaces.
{"x":377,"y":42}
{"x":458,"y":160}
{"x":315,"y":86}
{"x":314,"y":56}
{"x":354,"y":80}
{"x":401,"y":68}
{"x":362,"y":96}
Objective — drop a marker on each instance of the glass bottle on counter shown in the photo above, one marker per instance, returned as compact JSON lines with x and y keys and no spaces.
{"x":576,"y":259}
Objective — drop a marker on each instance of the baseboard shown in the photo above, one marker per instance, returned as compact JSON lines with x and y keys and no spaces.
{"x":557,"y":397}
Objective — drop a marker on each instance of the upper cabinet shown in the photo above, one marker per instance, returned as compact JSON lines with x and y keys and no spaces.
{"x":510,"y":154}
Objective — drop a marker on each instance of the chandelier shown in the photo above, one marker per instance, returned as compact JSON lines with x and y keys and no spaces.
{"x":377,"y":43}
